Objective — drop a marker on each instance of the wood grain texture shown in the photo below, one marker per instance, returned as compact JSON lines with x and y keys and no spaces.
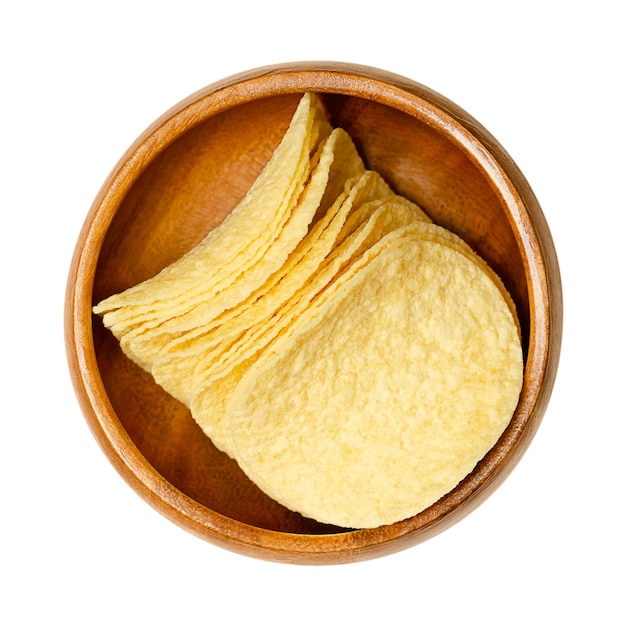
{"x":182,"y":177}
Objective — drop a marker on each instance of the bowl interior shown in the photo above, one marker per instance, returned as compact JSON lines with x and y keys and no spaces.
{"x":191,"y":182}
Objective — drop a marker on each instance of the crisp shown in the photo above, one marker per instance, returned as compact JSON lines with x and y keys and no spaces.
{"x":354,"y":358}
{"x":388,"y":393}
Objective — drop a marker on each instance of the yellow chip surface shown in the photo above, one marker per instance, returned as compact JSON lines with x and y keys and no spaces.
{"x":340,"y":179}
{"x":216,"y":378}
{"x":261,"y":223}
{"x":388,"y":395}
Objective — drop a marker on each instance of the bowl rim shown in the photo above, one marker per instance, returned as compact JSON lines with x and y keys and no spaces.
{"x":533,"y":239}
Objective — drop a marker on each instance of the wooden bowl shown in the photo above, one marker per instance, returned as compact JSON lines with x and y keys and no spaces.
{"x":180,"y":179}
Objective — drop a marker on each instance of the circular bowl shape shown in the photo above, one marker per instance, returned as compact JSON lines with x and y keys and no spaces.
{"x":183,"y":176}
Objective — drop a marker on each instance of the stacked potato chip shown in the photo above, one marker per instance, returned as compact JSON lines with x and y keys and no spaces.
{"x":354,"y":358}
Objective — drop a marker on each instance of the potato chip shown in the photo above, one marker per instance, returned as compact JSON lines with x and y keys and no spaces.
{"x":321,"y":189}
{"x":385,"y":396}
{"x":258,"y":231}
{"x":216,"y":378}
{"x":386,"y":218}
{"x":355,"y":359}
{"x":339,"y":179}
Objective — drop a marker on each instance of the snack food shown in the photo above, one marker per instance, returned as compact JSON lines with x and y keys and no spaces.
{"x":253,"y":241}
{"x":388,"y":391}
{"x":355,"y":359}
{"x":215,"y":382}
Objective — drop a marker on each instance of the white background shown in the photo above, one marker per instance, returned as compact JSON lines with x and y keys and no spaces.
{"x":80,"y":81}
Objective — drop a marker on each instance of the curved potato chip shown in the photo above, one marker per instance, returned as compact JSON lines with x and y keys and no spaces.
{"x":237,"y":244}
{"x":380,"y":401}
{"x":215,"y":379}
{"x":340,"y":177}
